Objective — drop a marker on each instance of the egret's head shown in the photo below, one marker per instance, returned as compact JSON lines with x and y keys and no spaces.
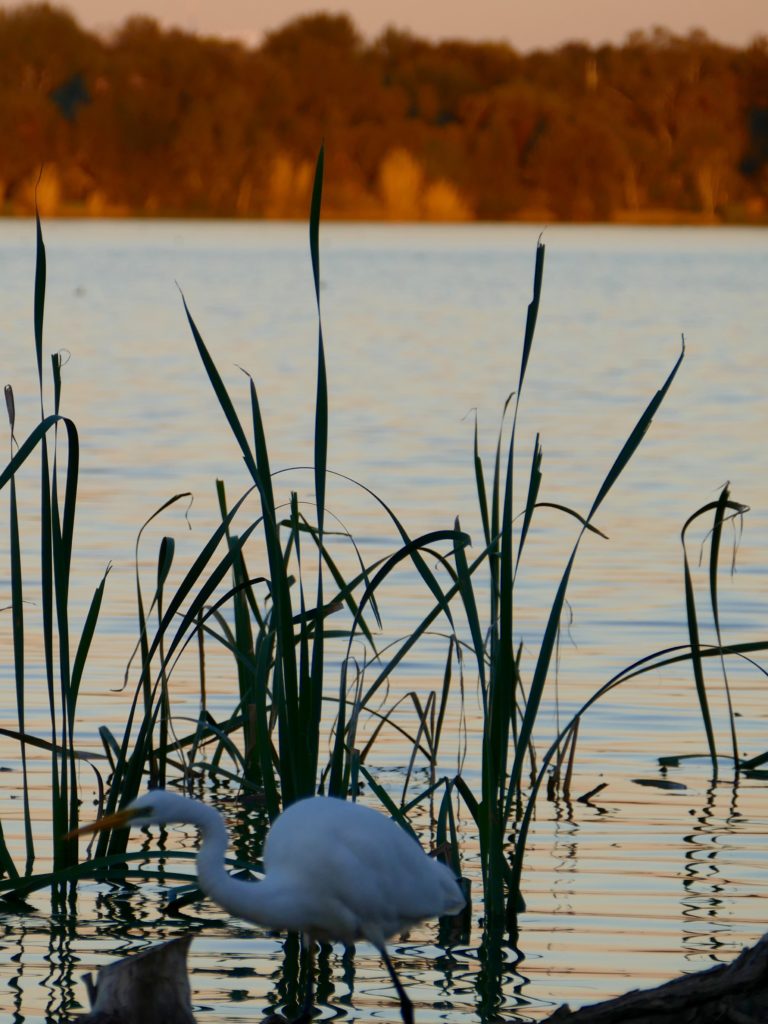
{"x":154,"y":808}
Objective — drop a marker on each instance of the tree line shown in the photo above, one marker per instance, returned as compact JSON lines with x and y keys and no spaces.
{"x":162,"y":122}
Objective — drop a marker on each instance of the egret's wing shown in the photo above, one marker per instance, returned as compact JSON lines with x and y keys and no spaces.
{"x":343,"y":855}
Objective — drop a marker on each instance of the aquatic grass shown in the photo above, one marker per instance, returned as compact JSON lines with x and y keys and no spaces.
{"x":281,"y":615}
{"x":110,"y":867}
{"x":165,"y":559}
{"x":269,"y":587}
{"x":279,"y":653}
{"x":57,"y":518}
{"x":242,"y":639}
{"x":696,"y":653}
{"x":724,"y":508}
{"x":17,"y":613}
{"x":509,"y":711}
{"x":553,"y":623}
{"x":313,"y":665}
{"x":651,"y":663}
{"x":290,"y":664}
{"x":541,"y":671}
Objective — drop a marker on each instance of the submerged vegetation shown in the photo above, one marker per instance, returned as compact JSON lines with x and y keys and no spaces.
{"x":267,"y":588}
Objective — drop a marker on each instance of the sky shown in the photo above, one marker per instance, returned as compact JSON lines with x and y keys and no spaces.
{"x":525,"y":25}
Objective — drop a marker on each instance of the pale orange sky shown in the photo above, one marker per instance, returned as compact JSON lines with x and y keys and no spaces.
{"x":526,"y":25}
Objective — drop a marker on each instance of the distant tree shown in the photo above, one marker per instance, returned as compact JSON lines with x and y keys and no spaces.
{"x":41,"y":50}
{"x":501,"y":127}
{"x":581,"y":166}
{"x":754,"y":99}
{"x":162,"y":121}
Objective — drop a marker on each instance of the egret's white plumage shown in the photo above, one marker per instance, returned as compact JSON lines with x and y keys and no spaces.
{"x":333,"y":870}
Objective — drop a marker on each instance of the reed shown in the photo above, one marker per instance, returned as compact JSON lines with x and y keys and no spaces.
{"x":698,"y":654}
{"x":63,"y":671}
{"x":279,"y":624}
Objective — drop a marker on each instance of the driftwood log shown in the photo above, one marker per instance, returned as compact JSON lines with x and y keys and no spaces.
{"x":151,"y":987}
{"x":735,"y":993}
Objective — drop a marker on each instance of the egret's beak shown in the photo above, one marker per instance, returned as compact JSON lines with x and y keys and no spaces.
{"x":122,"y":819}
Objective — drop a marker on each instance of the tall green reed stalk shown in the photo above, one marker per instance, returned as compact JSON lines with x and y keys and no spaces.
{"x":62,"y":671}
{"x":696,"y":652}
{"x":278,"y":640}
{"x":509,"y":709}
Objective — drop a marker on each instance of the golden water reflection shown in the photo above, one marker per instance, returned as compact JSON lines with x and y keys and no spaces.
{"x":619,"y":896}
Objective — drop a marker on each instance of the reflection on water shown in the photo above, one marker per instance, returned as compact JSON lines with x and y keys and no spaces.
{"x":646,"y":885}
{"x":423,"y":325}
{"x":648,"y":900}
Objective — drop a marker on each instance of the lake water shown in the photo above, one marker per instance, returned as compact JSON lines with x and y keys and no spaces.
{"x":423,"y":326}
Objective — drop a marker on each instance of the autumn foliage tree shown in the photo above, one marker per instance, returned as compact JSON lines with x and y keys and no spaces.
{"x":160,"y":122}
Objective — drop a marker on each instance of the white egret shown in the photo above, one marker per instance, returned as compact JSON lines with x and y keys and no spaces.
{"x":335,"y":871}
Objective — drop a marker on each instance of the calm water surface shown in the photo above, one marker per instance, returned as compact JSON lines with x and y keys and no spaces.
{"x":423,"y":326}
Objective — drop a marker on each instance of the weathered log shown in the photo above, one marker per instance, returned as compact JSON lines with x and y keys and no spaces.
{"x":151,"y":987}
{"x":735,"y":993}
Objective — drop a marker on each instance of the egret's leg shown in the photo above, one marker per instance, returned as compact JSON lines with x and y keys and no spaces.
{"x":406,"y":1006}
{"x":305,"y":1016}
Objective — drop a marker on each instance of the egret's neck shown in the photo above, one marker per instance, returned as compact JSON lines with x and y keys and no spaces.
{"x":266,"y":902}
{"x":211,"y":873}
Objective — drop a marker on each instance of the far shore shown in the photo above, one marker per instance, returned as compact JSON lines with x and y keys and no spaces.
{"x":661,"y":217}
